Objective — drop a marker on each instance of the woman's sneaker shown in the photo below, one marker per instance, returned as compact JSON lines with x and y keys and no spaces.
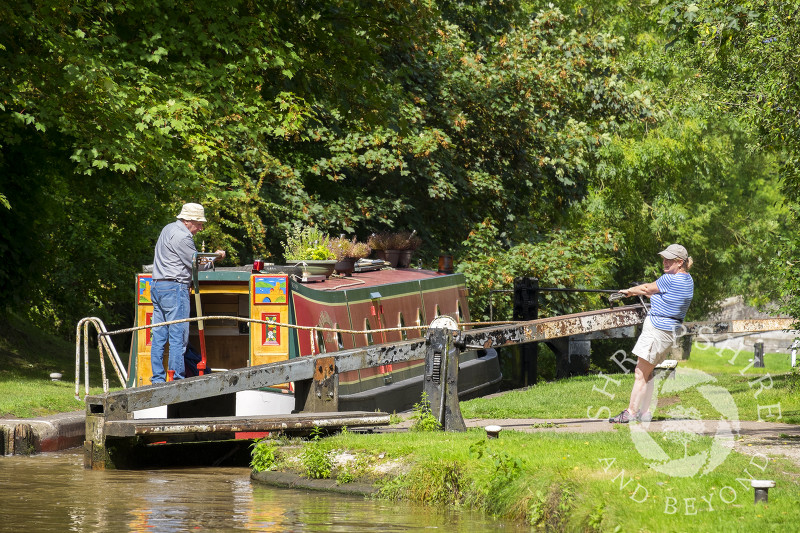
{"x":623,"y":418}
{"x":644,"y":417}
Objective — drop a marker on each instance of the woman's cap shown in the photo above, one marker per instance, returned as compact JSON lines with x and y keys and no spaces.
{"x":192,"y":212}
{"x":674,"y":251}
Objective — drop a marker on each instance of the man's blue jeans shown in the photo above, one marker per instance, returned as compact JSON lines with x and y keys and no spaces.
{"x":170,"y":302}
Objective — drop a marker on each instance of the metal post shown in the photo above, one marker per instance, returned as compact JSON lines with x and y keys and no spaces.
{"x":441,"y":374}
{"x":758,"y":355}
{"x":526,"y":307}
{"x":322,"y":391}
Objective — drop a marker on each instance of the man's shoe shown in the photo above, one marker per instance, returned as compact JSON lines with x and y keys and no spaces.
{"x":623,"y":418}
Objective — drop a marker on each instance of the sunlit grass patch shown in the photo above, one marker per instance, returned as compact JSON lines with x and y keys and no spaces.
{"x":767,"y":394}
{"x":579,"y":482}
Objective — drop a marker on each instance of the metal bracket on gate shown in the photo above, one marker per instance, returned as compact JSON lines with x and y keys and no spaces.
{"x":323,"y":395}
{"x":441,"y":373}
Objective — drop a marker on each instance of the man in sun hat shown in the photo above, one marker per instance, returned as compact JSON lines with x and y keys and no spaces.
{"x":172,"y":273}
{"x":670,"y":296}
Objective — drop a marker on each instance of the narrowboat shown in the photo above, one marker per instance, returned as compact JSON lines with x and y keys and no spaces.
{"x":371,"y":298}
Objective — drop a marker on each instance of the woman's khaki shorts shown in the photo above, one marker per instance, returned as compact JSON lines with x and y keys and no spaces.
{"x":654,"y":344}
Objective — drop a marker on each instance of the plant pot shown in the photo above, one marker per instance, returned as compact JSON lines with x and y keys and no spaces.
{"x":317,"y":267}
{"x":380,"y":254}
{"x":405,"y":258}
{"x":393,"y":256}
{"x":346,"y":265}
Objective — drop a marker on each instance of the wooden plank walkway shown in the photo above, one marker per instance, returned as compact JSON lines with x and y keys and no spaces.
{"x":223,"y":427}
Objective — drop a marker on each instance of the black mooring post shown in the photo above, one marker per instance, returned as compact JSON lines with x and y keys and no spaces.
{"x":526,"y":307}
{"x":758,"y":355}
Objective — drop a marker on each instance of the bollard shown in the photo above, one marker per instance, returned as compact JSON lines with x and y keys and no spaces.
{"x":493,"y":432}
{"x":761,"y":487}
{"x":758,"y":355}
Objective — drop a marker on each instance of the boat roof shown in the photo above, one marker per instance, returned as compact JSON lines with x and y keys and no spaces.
{"x":371,"y":278}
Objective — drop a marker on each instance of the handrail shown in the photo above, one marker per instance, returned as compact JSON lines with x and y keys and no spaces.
{"x":104,"y":346}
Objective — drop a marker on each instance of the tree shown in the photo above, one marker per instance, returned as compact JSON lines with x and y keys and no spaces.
{"x":746,"y":55}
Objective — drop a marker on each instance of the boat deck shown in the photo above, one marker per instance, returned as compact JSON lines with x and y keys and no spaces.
{"x":373,"y":278}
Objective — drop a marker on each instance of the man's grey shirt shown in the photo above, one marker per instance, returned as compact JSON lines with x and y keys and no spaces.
{"x":173,"y":254}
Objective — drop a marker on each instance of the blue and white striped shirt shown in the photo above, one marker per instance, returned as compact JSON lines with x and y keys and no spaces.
{"x":669,"y":305}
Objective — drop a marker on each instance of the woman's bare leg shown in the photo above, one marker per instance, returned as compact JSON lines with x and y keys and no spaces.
{"x":642,"y":386}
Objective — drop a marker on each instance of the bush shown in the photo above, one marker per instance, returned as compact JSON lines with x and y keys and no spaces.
{"x":307,"y":243}
{"x":263,"y":455}
{"x":316,"y":458}
{"x":423,"y":416}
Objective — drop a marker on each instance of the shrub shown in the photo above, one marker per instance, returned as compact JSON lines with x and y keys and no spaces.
{"x":316,"y":458}
{"x":263,"y":455}
{"x":307,"y":243}
{"x":341,"y":248}
{"x":423,"y":416}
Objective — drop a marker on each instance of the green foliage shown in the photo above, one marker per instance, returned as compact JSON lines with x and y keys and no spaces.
{"x":307,"y":242}
{"x":560,"y":259}
{"x":264,"y":455}
{"x":443,"y":115}
{"x":316,"y":457}
{"x":437,"y":483}
{"x":505,"y":469}
{"x":744,"y":55}
{"x":568,"y":481}
{"x":423,"y":418}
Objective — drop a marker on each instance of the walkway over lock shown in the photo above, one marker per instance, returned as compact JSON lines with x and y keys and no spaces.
{"x":110,"y":415}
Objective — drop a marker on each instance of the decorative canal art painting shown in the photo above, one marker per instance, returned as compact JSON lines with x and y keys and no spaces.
{"x":270,"y":303}
{"x":269,"y":289}
{"x":144,"y":289}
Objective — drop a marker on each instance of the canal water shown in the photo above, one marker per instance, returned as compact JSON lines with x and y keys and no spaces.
{"x":53,"y":492}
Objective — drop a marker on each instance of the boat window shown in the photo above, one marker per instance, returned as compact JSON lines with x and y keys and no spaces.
{"x":438,"y":311}
{"x":402,"y":324}
{"x":420,"y":319}
{"x":321,"y":342}
{"x":459,"y":312}
{"x":368,"y":335}
{"x":339,"y":338}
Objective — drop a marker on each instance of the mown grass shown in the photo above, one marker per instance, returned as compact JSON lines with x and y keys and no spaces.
{"x":576,"y":482}
{"x":767,"y":394}
{"x":27,"y":358}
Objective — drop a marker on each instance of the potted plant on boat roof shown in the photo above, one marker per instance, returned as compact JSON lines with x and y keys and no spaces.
{"x":347,"y":252}
{"x":309,"y":247}
{"x":403,"y":244}
{"x":379,"y":242}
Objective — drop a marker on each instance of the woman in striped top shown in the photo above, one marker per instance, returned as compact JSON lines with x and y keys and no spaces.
{"x":670,"y":296}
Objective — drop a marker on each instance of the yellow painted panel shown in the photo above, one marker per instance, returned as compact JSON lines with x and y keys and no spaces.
{"x":266,"y":359}
{"x":269,"y":302}
{"x":239,"y":288}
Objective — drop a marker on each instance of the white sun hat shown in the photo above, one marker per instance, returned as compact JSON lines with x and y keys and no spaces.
{"x":192,"y":212}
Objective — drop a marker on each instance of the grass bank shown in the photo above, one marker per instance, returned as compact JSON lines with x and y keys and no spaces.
{"x":769,"y":393}
{"x":585,"y":482}
{"x":27,"y":358}
{"x":557,"y":482}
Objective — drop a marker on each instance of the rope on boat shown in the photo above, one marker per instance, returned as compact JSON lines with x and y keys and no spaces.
{"x":107,"y":349}
{"x":295,"y":326}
